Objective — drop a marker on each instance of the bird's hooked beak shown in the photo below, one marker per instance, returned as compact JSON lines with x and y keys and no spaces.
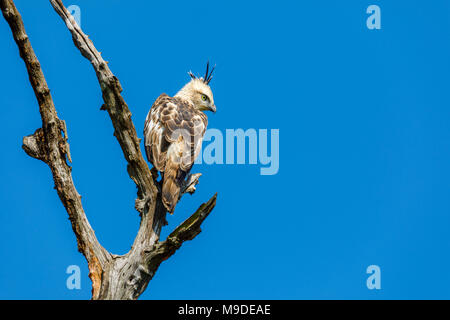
{"x":213,"y":108}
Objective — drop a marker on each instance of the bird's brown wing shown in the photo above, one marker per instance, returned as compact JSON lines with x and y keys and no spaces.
{"x":155,"y":144}
{"x":173,"y":125}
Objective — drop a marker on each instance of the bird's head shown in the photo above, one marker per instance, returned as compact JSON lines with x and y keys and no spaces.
{"x":198,"y":92}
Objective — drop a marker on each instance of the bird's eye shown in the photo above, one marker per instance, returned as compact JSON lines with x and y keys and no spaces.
{"x":204,"y":98}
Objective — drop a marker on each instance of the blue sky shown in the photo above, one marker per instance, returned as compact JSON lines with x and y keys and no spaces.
{"x":364,"y":124}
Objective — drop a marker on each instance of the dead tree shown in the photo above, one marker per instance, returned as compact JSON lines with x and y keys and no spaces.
{"x":113,"y":276}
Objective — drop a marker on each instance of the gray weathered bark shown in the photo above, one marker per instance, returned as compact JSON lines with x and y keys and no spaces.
{"x":113,"y":276}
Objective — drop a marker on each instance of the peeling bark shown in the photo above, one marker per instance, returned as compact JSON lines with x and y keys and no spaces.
{"x":113,"y":276}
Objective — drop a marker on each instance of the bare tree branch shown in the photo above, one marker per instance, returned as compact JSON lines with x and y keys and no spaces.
{"x":49,"y":145}
{"x":113,"y":276}
{"x":116,"y":106}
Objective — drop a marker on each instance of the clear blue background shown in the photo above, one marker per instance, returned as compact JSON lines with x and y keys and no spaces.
{"x":364,"y":125}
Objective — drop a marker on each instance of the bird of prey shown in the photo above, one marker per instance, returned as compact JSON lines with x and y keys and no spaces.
{"x":173,"y":133}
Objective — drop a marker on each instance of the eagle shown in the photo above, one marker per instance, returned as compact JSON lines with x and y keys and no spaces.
{"x":173,"y":133}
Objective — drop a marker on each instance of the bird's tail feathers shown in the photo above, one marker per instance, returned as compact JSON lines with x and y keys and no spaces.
{"x":171,"y":186}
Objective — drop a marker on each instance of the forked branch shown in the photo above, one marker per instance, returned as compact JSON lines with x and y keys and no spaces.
{"x":113,"y":276}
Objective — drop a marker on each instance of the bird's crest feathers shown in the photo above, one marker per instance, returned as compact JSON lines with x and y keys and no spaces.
{"x":207,"y":77}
